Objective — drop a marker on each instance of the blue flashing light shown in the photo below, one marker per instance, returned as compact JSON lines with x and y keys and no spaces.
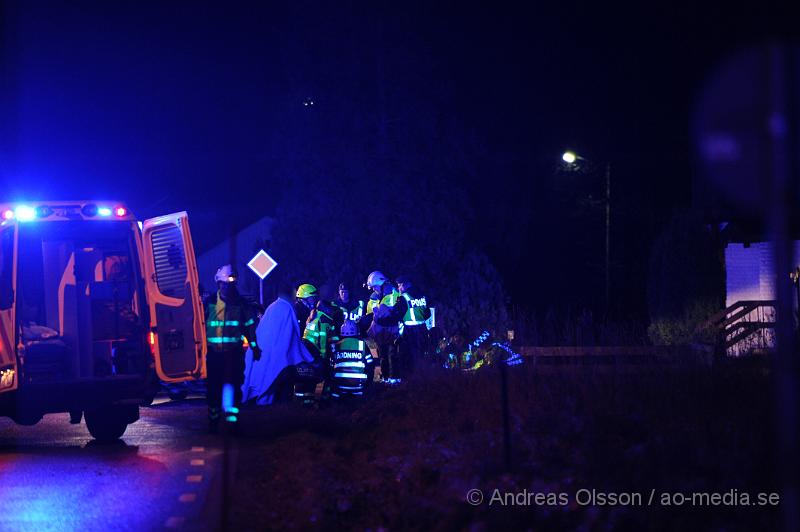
{"x":104,"y":211}
{"x":24,"y":213}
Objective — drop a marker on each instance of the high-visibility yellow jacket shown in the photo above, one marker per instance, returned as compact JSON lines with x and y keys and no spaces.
{"x":417,"y":312}
{"x":320,"y":328}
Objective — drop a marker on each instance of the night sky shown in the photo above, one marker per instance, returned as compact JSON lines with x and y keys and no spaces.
{"x":171,"y":106}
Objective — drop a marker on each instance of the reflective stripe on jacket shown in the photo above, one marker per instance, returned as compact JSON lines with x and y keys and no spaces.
{"x":352,"y":312}
{"x":320,"y":331}
{"x":417,"y":312}
{"x":351,"y":361}
{"x":228,"y":324}
{"x":373,"y":302}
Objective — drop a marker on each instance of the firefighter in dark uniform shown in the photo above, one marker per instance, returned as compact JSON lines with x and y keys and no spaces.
{"x":229,"y":320}
{"x":413,"y":329}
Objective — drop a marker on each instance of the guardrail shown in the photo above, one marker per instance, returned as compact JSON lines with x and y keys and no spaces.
{"x":695,"y":354}
{"x":600,"y":351}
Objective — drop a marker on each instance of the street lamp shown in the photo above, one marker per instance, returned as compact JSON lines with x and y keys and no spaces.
{"x":571,"y":158}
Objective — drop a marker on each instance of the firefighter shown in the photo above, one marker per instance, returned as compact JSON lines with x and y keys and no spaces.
{"x":323,"y":320}
{"x":301,"y":310}
{"x":352,"y":366}
{"x":351,"y":309}
{"x":229,"y":320}
{"x":320,"y":331}
{"x":413,"y":328}
{"x":385,"y":310}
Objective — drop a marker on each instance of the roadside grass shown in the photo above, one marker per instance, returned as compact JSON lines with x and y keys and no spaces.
{"x":407,"y":457}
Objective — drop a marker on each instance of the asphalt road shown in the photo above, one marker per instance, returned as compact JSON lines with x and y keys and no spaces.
{"x":163,"y":474}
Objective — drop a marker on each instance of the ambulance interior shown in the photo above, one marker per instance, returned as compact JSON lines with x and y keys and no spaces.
{"x":78,"y":302}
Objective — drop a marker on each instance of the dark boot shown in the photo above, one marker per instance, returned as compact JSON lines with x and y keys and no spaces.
{"x":213,"y":419}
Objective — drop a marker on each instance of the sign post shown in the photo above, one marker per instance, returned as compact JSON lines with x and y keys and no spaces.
{"x":262,"y":264}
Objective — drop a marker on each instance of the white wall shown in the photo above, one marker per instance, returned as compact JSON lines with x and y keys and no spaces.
{"x":750,"y":275}
{"x":743,"y":272}
{"x":750,"y":272}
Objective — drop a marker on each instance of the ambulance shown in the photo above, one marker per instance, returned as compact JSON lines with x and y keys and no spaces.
{"x":95,"y":310}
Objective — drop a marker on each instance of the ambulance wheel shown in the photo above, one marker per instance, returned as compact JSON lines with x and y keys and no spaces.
{"x":108,"y":424}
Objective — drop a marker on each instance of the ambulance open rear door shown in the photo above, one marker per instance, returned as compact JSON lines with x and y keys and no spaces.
{"x":177,"y":325}
{"x":9,"y":376}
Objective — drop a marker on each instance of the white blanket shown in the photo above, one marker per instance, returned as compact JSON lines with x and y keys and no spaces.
{"x":278,"y":336}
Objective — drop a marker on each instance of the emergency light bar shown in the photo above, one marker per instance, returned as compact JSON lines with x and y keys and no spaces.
{"x":28,"y":213}
{"x":23,"y":213}
{"x":43,"y":211}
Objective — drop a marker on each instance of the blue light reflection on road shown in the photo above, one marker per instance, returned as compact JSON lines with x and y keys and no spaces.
{"x":74,"y":492}
{"x":54,"y":477}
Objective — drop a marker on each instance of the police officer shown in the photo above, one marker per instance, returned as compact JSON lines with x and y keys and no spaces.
{"x":351,"y":364}
{"x":413,"y":329}
{"x":386,"y":309}
{"x":229,"y":319}
{"x":351,"y":309}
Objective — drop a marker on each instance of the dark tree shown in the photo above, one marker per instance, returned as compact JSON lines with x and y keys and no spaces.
{"x":686,"y":281}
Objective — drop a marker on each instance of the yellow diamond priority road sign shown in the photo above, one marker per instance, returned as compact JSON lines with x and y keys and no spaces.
{"x":262,"y":264}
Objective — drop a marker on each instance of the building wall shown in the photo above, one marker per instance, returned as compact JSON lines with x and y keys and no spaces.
{"x":248,"y":241}
{"x":750,"y":271}
{"x":750,"y":275}
{"x":743,"y":272}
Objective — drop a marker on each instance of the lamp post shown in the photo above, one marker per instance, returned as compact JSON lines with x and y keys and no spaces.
{"x":571,"y":159}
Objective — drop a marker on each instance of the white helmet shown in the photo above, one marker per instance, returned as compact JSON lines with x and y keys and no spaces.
{"x":349,"y":328}
{"x":376,"y":279}
{"x":225,"y":274}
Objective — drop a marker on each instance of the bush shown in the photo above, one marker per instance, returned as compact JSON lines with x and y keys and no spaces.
{"x":682,"y":330}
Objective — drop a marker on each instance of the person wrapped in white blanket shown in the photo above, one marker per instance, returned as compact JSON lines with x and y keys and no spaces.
{"x":269,"y":379}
